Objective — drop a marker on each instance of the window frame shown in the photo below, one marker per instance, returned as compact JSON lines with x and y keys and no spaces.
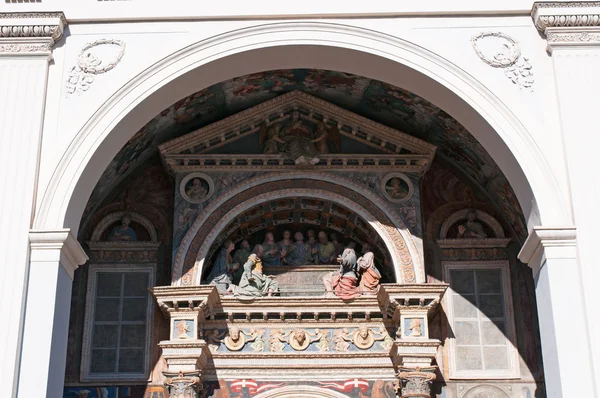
{"x":90,"y":307}
{"x":513,"y":371}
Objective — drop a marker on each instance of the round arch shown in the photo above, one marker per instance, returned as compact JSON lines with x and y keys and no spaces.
{"x":309,"y":45}
{"x":408,"y":266}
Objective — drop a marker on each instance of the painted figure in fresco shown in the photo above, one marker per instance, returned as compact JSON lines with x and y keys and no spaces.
{"x":343,"y":282}
{"x":324,"y":250}
{"x":396,"y":188}
{"x":196,"y":191}
{"x":286,"y":246}
{"x":258,"y":284}
{"x":369,"y":274}
{"x":415,"y":327}
{"x":123,"y":232}
{"x":240,"y":257}
{"x":221,"y":273}
{"x":271,"y":253}
{"x":339,"y":248}
{"x":472,"y":229}
{"x":182,"y":329}
{"x":301,"y":254}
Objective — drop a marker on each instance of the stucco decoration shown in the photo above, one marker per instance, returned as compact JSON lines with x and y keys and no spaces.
{"x":482,"y":391}
{"x":26,"y":33}
{"x":90,"y":63}
{"x":375,"y":100}
{"x":499,"y":50}
{"x":397,"y":187}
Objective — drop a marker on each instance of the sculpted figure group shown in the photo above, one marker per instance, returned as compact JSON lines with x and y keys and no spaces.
{"x":241,"y":273}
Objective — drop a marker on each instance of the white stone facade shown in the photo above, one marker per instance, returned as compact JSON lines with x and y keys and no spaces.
{"x":64,"y":117}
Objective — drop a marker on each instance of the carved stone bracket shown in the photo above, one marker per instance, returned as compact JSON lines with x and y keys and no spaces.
{"x":568,"y":23}
{"x":30,"y":33}
{"x":415,"y":382}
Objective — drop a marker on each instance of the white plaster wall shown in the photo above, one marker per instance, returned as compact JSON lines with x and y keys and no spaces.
{"x":149,"y":43}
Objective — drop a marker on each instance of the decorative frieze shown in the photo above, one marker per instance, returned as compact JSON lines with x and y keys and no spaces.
{"x":26,"y":33}
{"x":568,"y":24}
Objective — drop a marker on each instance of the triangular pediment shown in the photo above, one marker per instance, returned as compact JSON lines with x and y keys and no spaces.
{"x":279,"y":132}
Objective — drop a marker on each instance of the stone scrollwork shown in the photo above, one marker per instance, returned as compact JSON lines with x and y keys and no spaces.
{"x":183,"y":384}
{"x":500,"y":50}
{"x":415,"y":382}
{"x":89,"y":65}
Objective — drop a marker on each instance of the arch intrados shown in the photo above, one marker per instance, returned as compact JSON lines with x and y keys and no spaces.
{"x":307,"y":193}
{"x":374,"y":55}
{"x":300,"y":391}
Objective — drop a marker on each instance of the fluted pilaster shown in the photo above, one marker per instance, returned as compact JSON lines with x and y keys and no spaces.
{"x":25,"y":48}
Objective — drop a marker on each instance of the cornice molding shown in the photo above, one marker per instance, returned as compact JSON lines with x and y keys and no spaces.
{"x":57,"y":245}
{"x":30,"y":33}
{"x":568,"y":23}
{"x":545,"y":243}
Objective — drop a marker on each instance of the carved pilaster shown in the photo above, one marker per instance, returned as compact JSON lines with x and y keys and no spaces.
{"x":415,"y":382}
{"x":30,"y":33}
{"x":568,"y":23}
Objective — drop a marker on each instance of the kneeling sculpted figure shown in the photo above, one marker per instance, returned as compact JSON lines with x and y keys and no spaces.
{"x":253,"y":282}
{"x":343,"y":283}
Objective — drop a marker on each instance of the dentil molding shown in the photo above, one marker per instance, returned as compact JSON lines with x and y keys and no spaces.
{"x":568,"y":23}
{"x":27,"y":33}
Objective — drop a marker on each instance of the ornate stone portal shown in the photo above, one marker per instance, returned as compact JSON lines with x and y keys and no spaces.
{"x":299,"y":339}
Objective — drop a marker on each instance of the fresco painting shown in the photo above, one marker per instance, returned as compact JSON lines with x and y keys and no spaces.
{"x":378,"y":101}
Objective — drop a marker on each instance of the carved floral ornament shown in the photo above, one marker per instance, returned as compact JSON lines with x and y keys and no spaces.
{"x":500,"y":50}
{"x":89,"y":63}
{"x":568,"y":23}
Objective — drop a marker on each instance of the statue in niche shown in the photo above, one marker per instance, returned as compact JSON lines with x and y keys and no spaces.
{"x":301,"y":254}
{"x":471,"y":229}
{"x":369,"y":274}
{"x":271,"y":253}
{"x":298,"y":141}
{"x":324,"y":250}
{"x":196,"y":190}
{"x":343,"y":282}
{"x":253,"y":282}
{"x":311,"y":243}
{"x":286,"y":246}
{"x":223,"y":269}
{"x":240,"y":257}
{"x":123,"y":232}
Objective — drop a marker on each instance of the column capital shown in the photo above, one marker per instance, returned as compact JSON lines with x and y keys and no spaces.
{"x":30,"y":33}
{"x":548,"y":243}
{"x":57,"y":245}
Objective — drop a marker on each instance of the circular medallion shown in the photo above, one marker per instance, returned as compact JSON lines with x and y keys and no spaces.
{"x":196,"y":188}
{"x":397,"y":187}
{"x":363,"y":339}
{"x":90,"y":57}
{"x":299,"y":340}
{"x":235,"y":345}
{"x":496,"y":49}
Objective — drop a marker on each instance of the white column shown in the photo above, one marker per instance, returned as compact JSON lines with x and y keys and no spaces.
{"x":552,"y":254}
{"x":55,"y":255}
{"x":572,"y":31}
{"x":25,"y":50}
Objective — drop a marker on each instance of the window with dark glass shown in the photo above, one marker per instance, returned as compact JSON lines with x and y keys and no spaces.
{"x":120,"y":323}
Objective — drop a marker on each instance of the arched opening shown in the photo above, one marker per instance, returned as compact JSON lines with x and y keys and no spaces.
{"x":104,"y":135}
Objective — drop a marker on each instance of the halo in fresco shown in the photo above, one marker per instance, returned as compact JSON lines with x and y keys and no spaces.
{"x":196,"y":187}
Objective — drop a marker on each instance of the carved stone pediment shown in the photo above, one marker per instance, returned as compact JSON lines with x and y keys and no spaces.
{"x":297,"y":130}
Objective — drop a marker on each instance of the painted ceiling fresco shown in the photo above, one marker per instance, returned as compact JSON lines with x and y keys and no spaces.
{"x":381,"y":102}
